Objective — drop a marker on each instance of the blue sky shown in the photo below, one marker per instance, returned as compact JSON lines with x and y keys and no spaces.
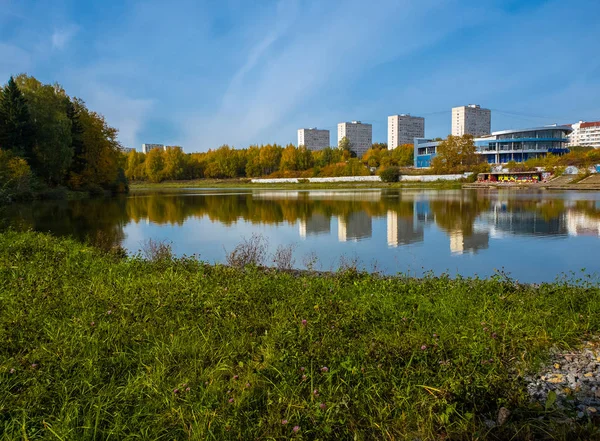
{"x":205,"y":73}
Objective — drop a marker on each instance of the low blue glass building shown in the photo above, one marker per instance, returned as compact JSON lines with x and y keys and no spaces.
{"x":507,"y":145}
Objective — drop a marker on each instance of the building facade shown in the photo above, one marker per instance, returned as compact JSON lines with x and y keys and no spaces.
{"x":360,"y":136}
{"x":471,"y":120}
{"x":586,"y":134}
{"x":147,"y":147}
{"x":313,"y":139}
{"x":507,"y":145}
{"x":403,"y":129}
{"x":126,"y":150}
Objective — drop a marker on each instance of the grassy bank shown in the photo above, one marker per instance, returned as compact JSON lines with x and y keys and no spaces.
{"x":93,"y":346}
{"x":245,"y":183}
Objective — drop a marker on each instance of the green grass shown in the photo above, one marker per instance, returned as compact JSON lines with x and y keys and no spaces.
{"x":96,"y":347}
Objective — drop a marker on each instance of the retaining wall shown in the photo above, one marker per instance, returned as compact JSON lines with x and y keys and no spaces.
{"x":404,"y":178}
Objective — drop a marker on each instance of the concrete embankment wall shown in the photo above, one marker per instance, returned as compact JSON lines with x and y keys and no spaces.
{"x":406,"y":178}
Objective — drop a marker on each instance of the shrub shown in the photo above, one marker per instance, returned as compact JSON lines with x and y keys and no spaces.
{"x":157,"y":251}
{"x":390,"y":174}
{"x":284,"y":257}
{"x":251,"y":251}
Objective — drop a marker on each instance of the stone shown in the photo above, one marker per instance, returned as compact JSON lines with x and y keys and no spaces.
{"x":503,"y":415}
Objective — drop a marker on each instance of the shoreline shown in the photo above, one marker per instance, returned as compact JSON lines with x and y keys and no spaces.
{"x":442,"y":185}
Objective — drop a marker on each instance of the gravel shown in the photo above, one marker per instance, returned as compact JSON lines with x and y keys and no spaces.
{"x":575,"y":379}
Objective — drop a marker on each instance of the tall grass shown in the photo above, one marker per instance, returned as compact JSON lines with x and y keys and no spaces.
{"x":97,"y":348}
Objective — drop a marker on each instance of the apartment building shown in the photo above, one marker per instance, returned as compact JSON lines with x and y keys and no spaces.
{"x":585,"y":134}
{"x":147,"y":147}
{"x":313,"y":139}
{"x":403,"y":129}
{"x":360,"y":136}
{"x":471,"y":120}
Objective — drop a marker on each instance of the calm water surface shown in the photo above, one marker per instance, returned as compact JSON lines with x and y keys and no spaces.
{"x":532,"y":236}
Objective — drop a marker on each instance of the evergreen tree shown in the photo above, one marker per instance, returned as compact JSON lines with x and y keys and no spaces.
{"x":73,"y":112}
{"x":16,"y":129}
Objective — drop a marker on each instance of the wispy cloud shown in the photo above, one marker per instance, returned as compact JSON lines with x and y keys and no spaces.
{"x":62,"y":37}
{"x":202,"y":74}
{"x":311,"y":50}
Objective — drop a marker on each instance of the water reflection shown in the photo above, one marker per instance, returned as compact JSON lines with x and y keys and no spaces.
{"x":468,"y":222}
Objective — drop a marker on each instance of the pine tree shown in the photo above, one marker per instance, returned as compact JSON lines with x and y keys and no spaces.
{"x":16,"y":129}
{"x":73,"y":112}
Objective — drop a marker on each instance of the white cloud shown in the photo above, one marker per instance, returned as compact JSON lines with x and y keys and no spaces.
{"x":62,"y":37}
{"x":124,"y":113}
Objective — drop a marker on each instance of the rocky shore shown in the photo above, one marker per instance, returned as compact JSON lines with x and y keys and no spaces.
{"x":571,"y":382}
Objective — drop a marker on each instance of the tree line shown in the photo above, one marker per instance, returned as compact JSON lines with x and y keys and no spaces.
{"x":50,"y":141}
{"x":270,"y":160}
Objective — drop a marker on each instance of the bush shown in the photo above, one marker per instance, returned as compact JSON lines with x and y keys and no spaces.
{"x":15,"y":177}
{"x":390,"y":174}
{"x":251,"y":251}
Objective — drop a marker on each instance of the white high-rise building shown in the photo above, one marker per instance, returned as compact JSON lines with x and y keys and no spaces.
{"x":360,"y":136}
{"x":313,"y":139}
{"x":586,"y":134}
{"x":471,"y":120}
{"x":147,"y":147}
{"x":403,"y":129}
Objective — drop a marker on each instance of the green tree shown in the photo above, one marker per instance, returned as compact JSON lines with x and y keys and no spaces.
{"x":15,"y":176}
{"x":345,"y":144}
{"x":403,"y":155}
{"x":455,"y":154}
{"x":16,"y":129}
{"x":305,"y":158}
{"x":52,"y":152}
{"x":78,"y":163}
{"x":101,"y":149}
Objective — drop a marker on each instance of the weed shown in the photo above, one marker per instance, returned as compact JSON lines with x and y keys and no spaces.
{"x":284,"y":257}
{"x":157,"y":251}
{"x":251,"y":251}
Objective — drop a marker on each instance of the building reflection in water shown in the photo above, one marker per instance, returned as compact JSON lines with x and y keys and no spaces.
{"x":461,"y":243}
{"x":403,"y":230}
{"x":354,"y":226}
{"x":581,"y":224}
{"x":316,"y":224}
{"x":503,"y":219}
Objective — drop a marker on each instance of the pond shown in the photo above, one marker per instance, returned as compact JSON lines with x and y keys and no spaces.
{"x":531,"y":236}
